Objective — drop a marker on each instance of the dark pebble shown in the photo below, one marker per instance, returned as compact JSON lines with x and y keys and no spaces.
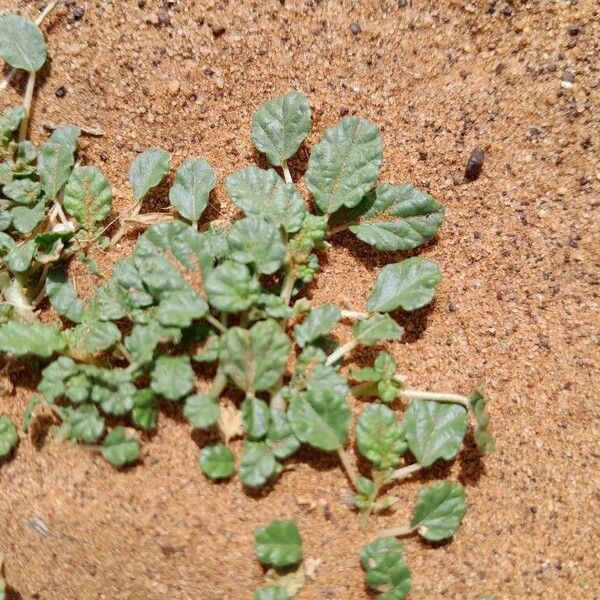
{"x":568,"y":76}
{"x":78,"y":12}
{"x":164,"y":18}
{"x":452,"y":307}
{"x":218,"y":30}
{"x":422,"y":155}
{"x":61,"y":91}
{"x":533,"y":509}
{"x":402,"y":3}
{"x":355,"y":28}
{"x":208,"y":71}
{"x":574,"y":30}
{"x":141,"y":3}
{"x":344,"y":111}
{"x":572,"y":44}
{"x":475,"y":164}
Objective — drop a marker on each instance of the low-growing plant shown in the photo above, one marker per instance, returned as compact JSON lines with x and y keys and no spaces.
{"x":50,"y":206}
{"x":197,"y":299}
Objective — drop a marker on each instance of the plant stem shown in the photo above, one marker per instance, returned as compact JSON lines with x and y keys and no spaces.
{"x":340,"y":228}
{"x":341,"y":351}
{"x":286,"y":172}
{"x":354,"y":314}
{"x":366,"y":388}
{"x":436,"y":396}
{"x":277,"y":402}
{"x":27,"y":100}
{"x":218,"y":385}
{"x":288,"y":286}
{"x":405,"y":472}
{"x":348,"y":466}
{"x":125,"y":353}
{"x":215,"y":323}
{"x":397,"y":531}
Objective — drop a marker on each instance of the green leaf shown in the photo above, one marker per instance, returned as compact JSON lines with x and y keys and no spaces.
{"x":231,"y":287}
{"x":5,"y":220}
{"x":217,"y":461}
{"x":180,"y":309}
{"x":379,"y":437}
{"x":434,"y":430}
{"x":88,"y":196}
{"x":143,"y":340}
{"x":272,"y":592}
{"x":278,"y":544}
{"x":67,"y":135}
{"x":439,"y":511}
{"x":201,"y":410}
{"x":20,"y":339}
{"x":121,"y":447}
{"x":62,"y":295}
{"x":22,"y":191}
{"x":193,"y":183}
{"x":319,"y":322}
{"x":86,"y":424}
{"x":9,"y":437}
{"x":255,"y":416}
{"x":254,"y":241}
{"x":377,"y":329}
{"x":385,"y":568}
{"x":320,"y":419}
{"x":168,"y":257}
{"x":25,"y":219}
{"x":409,"y":285}
{"x":19,"y":258}
{"x":258,"y":464}
{"x":22,"y":43}
{"x":264,"y":194}
{"x":26,"y":153}
{"x":280,"y":436}
{"x":144,"y":412}
{"x":254,"y":359}
{"x":9,"y":123}
{"x":147,"y":171}
{"x":483,"y":436}
{"x":91,"y":337}
{"x":54,"y":165}
{"x":172,"y":377}
{"x":344,"y":166}
{"x":280,"y":125}
{"x":398,"y":217}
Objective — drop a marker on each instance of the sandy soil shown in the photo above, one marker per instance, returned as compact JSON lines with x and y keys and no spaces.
{"x":517,"y":311}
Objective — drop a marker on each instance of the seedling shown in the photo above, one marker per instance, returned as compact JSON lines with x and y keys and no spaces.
{"x":9,"y":436}
{"x":196,"y":298}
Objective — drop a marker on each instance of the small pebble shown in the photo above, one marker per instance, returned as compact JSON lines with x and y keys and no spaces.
{"x":566,"y":85}
{"x":355,"y":28}
{"x":574,"y":30}
{"x":218,"y":30}
{"x":61,"y":91}
{"x":475,"y":164}
{"x":344,"y":111}
{"x":173,"y":87}
{"x":209,"y":71}
{"x":164,"y":18}
{"x":141,"y":3}
{"x":78,"y":12}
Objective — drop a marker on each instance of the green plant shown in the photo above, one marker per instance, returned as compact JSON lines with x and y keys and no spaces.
{"x":197,"y":300}
{"x":50,"y":206}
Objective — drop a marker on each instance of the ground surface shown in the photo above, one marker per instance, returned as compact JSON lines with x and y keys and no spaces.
{"x":517,"y":311}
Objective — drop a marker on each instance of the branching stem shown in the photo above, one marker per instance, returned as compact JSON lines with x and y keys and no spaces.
{"x":215,"y":323}
{"x":340,"y":228}
{"x":341,"y":351}
{"x":218,"y":385}
{"x":436,"y":396}
{"x":288,"y":286}
{"x":397,"y":531}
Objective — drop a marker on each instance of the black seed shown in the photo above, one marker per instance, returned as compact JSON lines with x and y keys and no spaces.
{"x":218,"y":30}
{"x":344,"y":111}
{"x":574,"y":30}
{"x":61,"y":91}
{"x":355,"y":28}
{"x":452,"y":307}
{"x":141,"y":3}
{"x":475,"y":164}
{"x":78,"y":12}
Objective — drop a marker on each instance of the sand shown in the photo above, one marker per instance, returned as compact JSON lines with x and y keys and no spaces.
{"x":516,"y":313}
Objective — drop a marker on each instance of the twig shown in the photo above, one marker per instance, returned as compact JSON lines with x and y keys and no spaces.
{"x":435,"y":396}
{"x":286,"y":172}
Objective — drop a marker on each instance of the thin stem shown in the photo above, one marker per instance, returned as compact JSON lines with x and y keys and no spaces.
{"x":397,"y":531}
{"x":27,"y":100}
{"x":340,"y":228}
{"x":436,"y":396}
{"x":61,"y":213}
{"x":405,"y":472}
{"x":341,"y":351}
{"x":354,"y":314}
{"x":277,"y":402}
{"x":288,"y":286}
{"x":133,"y":211}
{"x":215,"y":323}
{"x":348,"y":466}
{"x":218,"y":385}
{"x":286,"y":172}
{"x":125,"y":354}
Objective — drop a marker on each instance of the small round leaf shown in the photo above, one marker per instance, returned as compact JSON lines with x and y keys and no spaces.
{"x":9,"y":436}
{"x":121,"y":447}
{"x":278,"y":544}
{"x":217,"y":461}
{"x":201,"y":410}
